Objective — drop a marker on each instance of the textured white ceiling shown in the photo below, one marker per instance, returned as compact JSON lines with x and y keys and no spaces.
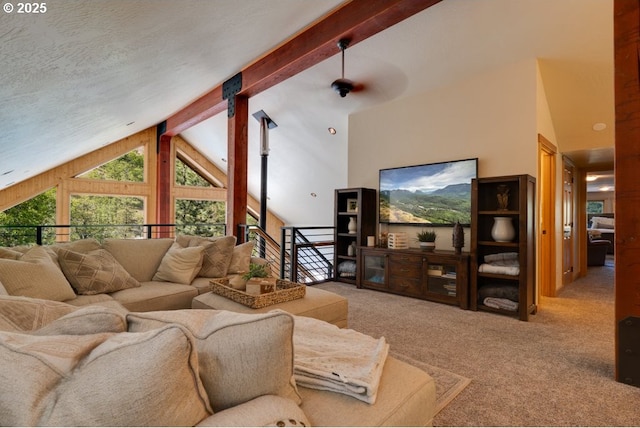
{"x":88,"y":73}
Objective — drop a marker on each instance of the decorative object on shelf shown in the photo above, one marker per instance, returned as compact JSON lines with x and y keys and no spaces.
{"x":503,"y":197}
{"x":457,"y":237}
{"x":502,"y":230}
{"x":351,"y":249}
{"x":427,"y":239}
{"x":371,"y":241}
{"x":352,"y":205}
{"x":397,"y":240}
{"x":352,"y":227}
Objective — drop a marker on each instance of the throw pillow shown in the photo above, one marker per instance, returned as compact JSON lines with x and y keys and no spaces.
{"x":180,"y":264}
{"x":264,"y":411}
{"x":24,"y":314}
{"x":34,"y":274}
{"x":217,"y":253}
{"x":86,"y":320}
{"x":241,"y":258}
{"x":125,"y":379}
{"x":241,"y":356}
{"x":96,"y":272}
{"x":8,"y":253}
{"x":79,"y":246}
{"x":139,"y":257}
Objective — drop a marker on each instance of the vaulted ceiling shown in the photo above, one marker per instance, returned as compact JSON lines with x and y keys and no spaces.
{"x":87,"y":73}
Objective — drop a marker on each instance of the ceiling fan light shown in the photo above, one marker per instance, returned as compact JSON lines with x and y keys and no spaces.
{"x":342,"y":86}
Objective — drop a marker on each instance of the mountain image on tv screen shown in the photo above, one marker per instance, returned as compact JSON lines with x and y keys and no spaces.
{"x":436,"y":194}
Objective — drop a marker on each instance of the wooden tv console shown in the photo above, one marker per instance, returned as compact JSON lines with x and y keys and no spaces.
{"x":439,"y":276}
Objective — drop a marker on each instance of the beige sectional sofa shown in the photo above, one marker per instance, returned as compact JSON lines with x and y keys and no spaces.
{"x":140,"y":274}
{"x":104,"y":350}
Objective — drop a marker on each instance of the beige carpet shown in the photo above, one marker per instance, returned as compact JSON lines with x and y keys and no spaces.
{"x":555,"y":370}
{"x":448,"y":384}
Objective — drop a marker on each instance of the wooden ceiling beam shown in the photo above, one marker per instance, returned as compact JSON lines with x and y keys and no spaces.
{"x":356,"y":20}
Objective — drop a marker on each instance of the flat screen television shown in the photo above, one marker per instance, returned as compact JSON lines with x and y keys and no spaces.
{"x":435,"y":194}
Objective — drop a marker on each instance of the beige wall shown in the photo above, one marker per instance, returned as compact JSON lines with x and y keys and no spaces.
{"x":546,"y":129}
{"x":491,"y":117}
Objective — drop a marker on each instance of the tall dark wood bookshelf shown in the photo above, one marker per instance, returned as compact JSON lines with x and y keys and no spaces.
{"x":521,"y":211}
{"x":364,"y":201}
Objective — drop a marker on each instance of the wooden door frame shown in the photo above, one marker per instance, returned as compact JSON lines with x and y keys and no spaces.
{"x":547,"y":231}
{"x":568,"y":278}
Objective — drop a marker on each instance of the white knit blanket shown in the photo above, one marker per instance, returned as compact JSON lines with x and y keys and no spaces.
{"x":339,"y":360}
{"x":502,"y":263}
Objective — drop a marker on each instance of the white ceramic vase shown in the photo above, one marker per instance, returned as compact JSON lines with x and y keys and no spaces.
{"x":502,"y":230}
{"x":352,"y":226}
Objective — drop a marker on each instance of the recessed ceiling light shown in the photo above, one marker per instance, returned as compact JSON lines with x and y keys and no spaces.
{"x":8,"y":172}
{"x":223,"y":160}
{"x":332,"y":130}
{"x":599,"y":126}
{"x":130,"y":123}
{"x":313,"y":194}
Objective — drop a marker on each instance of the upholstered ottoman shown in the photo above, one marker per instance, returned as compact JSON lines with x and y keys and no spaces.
{"x":317,"y":303}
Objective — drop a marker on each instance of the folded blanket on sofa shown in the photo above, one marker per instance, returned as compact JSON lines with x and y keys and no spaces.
{"x":339,"y":360}
{"x":499,"y":303}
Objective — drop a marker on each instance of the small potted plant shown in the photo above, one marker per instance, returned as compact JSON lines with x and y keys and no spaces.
{"x":259,"y":279}
{"x":427,"y":239}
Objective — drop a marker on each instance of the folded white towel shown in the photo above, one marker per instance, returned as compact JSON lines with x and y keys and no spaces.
{"x":503,"y":270}
{"x":339,"y":360}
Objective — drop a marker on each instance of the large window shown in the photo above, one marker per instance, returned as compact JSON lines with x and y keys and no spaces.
{"x":18,"y":221}
{"x":103,"y":217}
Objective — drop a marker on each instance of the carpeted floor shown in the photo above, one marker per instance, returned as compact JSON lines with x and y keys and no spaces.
{"x":555,"y":370}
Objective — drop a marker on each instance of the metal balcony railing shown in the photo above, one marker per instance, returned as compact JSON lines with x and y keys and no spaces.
{"x":49,"y":234}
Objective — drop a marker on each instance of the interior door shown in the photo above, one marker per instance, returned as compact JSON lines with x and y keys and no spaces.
{"x":546,"y":208}
{"x":567,"y":222}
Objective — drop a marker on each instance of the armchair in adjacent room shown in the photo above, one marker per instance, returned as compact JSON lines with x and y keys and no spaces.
{"x":597,"y":251}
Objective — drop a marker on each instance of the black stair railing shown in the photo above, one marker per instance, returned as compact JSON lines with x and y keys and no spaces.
{"x":308,"y":254}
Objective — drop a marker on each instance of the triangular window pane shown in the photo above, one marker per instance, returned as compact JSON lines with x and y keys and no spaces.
{"x":187,"y":176}
{"x":128,"y":167}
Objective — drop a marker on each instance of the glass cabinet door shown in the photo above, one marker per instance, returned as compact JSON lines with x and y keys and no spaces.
{"x":442,"y":279}
{"x":374,"y":269}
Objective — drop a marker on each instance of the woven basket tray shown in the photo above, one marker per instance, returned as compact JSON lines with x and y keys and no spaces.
{"x":285,"y":291}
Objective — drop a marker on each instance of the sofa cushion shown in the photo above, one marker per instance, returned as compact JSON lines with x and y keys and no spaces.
{"x":264,"y":411}
{"x":96,"y":272}
{"x":217,"y":253}
{"x":139,"y":257}
{"x":242,"y":356}
{"x":34,"y":274}
{"x":241,"y":258}
{"x":180,"y":264}
{"x":71,"y":381}
{"x":3,"y":291}
{"x":156,"y":296}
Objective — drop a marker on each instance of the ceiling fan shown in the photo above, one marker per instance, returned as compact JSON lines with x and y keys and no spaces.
{"x":344,"y":86}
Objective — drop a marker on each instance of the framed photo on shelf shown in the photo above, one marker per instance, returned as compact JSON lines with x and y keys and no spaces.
{"x":352,"y":205}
